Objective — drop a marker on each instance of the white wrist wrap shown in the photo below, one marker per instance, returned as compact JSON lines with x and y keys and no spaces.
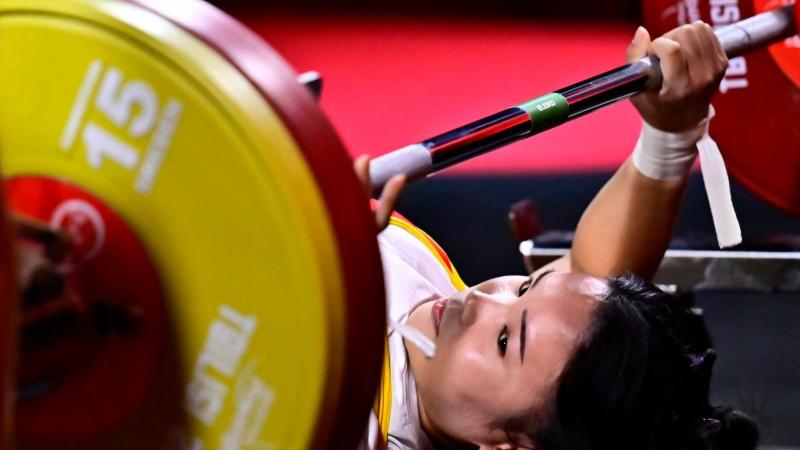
{"x":668,"y":156}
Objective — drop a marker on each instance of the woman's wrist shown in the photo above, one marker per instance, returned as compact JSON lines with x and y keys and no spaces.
{"x":665,"y":155}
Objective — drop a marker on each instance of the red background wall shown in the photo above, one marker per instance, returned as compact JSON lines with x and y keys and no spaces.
{"x":392,"y":81}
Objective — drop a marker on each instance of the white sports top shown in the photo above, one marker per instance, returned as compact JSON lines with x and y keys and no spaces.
{"x":414,"y":273}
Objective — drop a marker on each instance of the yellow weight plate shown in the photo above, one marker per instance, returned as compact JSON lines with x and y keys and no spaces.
{"x":147,"y":121}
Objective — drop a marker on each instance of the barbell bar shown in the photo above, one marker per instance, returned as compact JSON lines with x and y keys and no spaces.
{"x":543,"y":113}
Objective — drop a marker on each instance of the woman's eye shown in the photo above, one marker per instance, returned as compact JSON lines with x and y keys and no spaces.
{"x":524,"y":287}
{"x":502,"y":341}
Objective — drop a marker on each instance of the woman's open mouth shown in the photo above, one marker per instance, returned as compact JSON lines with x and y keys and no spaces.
{"x":437,"y":312}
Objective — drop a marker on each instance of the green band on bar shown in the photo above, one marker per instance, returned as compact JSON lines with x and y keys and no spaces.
{"x":547,"y":111}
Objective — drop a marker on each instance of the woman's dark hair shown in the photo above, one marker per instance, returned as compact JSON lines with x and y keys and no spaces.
{"x":640,"y":381}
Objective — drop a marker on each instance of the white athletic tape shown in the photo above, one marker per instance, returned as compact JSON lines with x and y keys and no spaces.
{"x":411,"y":334}
{"x":413,"y":161}
{"x":668,"y":156}
{"x":718,"y":189}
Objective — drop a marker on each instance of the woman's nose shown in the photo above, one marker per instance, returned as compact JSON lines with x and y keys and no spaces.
{"x":479,"y":304}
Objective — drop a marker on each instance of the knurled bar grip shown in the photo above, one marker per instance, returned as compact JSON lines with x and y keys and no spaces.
{"x":757,"y":31}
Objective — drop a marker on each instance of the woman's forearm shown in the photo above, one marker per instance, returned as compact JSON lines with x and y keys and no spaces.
{"x":628,"y":225}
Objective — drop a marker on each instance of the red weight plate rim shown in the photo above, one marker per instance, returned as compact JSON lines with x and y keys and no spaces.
{"x":8,"y":307}
{"x":342,"y":192}
{"x":777,"y":189}
{"x":737,"y":171}
{"x":768,"y":196}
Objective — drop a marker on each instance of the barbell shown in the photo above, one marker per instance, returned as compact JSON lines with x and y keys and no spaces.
{"x":548,"y":111}
{"x":194,"y":255}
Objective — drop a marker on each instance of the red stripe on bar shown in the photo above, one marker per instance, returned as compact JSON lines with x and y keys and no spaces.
{"x":482,"y":133}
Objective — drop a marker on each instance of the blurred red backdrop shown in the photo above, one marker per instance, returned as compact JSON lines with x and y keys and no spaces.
{"x":394,"y":80}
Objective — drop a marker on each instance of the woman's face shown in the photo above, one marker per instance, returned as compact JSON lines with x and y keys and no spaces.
{"x":500,"y":348}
